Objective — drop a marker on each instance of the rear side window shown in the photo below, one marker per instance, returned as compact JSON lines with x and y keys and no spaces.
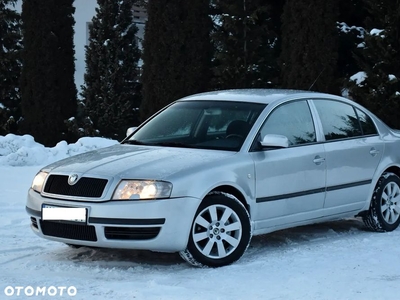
{"x":367,"y":125}
{"x":339,"y":120}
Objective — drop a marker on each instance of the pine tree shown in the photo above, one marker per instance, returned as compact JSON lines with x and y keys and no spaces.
{"x":352,"y":12}
{"x":47,"y":79}
{"x":379,"y":61}
{"x":246,"y":41}
{"x":10,"y":67}
{"x":111,"y":91}
{"x":351,"y":35}
{"x":310,"y":45}
{"x":177,"y":52}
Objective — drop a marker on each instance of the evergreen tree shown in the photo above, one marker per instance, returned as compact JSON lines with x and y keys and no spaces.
{"x":379,"y":61}
{"x":47,"y":79}
{"x":351,"y":38}
{"x":112,"y":90}
{"x":246,"y":41}
{"x":310,"y":45}
{"x":352,"y":12}
{"x":10,"y":67}
{"x":351,"y":35}
{"x":177,"y":52}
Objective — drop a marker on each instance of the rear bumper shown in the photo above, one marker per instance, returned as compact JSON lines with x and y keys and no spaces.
{"x":157,"y":225}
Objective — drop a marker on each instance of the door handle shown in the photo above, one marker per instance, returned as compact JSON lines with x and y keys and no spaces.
{"x":318,"y":160}
{"x":373,"y":152}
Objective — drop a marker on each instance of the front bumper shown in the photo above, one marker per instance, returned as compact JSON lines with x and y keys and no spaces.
{"x":157,"y":225}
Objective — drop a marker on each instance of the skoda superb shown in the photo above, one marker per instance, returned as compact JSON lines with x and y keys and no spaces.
{"x":207,"y":172}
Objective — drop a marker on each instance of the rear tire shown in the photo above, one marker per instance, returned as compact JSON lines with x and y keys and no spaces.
{"x":384,"y":212}
{"x":220,"y":233}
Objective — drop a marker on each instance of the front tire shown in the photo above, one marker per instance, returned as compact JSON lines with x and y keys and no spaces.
{"x":73,"y":246}
{"x":384,"y":211}
{"x":220,"y":233}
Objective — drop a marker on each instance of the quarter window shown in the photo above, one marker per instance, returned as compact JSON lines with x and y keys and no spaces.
{"x":292,"y":120}
{"x":367,"y":125}
{"x":339,"y":120}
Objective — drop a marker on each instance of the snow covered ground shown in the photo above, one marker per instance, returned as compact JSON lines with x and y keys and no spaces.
{"x":337,"y":260}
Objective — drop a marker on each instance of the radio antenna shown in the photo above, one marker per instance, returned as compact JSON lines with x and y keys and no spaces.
{"x":316,"y":79}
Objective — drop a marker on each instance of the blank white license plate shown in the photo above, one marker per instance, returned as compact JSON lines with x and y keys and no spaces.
{"x":57,"y":213}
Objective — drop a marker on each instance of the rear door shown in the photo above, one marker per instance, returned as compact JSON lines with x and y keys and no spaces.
{"x":353,"y":152}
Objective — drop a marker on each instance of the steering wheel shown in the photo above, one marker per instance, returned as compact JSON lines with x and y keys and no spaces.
{"x":234,"y":135}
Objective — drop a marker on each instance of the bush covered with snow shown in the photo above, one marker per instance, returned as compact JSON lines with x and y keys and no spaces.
{"x":24,"y":151}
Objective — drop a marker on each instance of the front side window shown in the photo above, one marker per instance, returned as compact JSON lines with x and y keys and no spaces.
{"x":339,"y":120}
{"x":292,"y":120}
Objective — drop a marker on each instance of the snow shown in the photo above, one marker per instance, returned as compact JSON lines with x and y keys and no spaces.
{"x":346,"y":29}
{"x":345,"y":93}
{"x":359,"y":78}
{"x":361,"y":45}
{"x":377,"y":32}
{"x":24,"y":151}
{"x":335,"y":260}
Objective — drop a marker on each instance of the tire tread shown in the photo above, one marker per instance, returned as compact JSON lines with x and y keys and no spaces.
{"x":188,"y":256}
{"x":371,"y":218}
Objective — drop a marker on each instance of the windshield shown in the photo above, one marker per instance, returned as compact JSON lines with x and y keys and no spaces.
{"x":219,"y":125}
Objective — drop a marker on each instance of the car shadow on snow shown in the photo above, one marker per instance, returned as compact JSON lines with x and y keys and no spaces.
{"x":121,"y":258}
{"x":274,"y":242}
{"x":306,"y":236}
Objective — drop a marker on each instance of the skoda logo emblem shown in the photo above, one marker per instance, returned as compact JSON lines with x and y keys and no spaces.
{"x":72,"y":179}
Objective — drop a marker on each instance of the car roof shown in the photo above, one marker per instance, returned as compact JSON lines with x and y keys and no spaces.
{"x":265,"y":96}
{"x":268,"y":96}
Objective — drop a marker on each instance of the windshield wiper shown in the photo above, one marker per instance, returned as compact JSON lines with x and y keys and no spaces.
{"x":134,"y":142}
{"x":173,"y":144}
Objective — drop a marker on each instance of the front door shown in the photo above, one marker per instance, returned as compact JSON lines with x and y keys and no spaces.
{"x":290,"y":182}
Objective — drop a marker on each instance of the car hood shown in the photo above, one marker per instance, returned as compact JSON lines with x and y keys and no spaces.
{"x":138,"y":162}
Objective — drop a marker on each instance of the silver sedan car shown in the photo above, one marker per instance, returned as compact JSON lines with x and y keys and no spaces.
{"x":207,"y":172}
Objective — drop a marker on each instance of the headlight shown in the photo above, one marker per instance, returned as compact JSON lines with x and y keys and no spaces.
{"x":142,"y":189}
{"x":38,"y":181}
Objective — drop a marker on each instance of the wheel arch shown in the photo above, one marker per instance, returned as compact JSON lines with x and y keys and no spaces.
{"x":234,"y":192}
{"x":202,"y":249}
{"x":389,"y":169}
{"x":393,"y":169}
{"x":374,"y":218}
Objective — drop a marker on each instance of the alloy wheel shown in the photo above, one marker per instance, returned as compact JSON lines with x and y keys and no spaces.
{"x":390,"y":203}
{"x":217,"y":231}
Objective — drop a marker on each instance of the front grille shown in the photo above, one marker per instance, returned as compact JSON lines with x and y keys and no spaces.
{"x":34,"y":222}
{"x":131,"y":233}
{"x":69,"y":231}
{"x":85,"y":187}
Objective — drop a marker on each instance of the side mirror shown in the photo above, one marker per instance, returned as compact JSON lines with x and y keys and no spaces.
{"x":130,"y":130}
{"x":275,"y":141}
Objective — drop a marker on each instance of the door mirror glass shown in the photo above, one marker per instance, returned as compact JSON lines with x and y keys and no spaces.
{"x":130,"y":130}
